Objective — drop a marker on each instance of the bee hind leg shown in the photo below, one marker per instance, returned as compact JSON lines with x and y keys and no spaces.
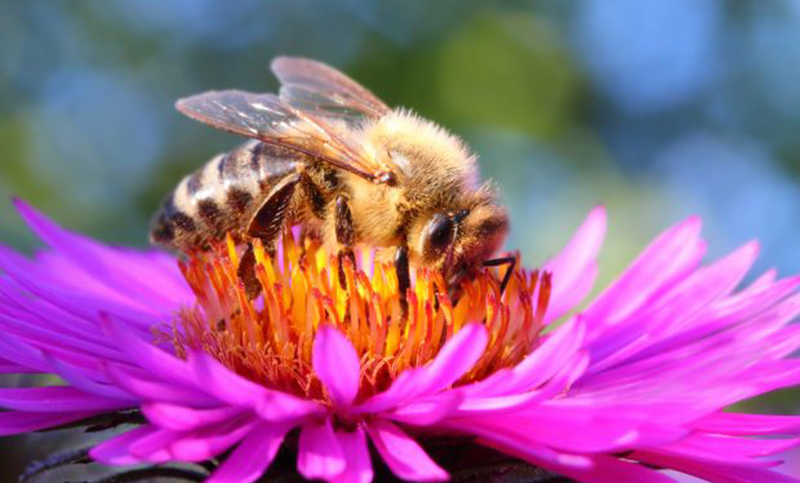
{"x":345,"y":235}
{"x":247,"y":273}
{"x":266,"y":225}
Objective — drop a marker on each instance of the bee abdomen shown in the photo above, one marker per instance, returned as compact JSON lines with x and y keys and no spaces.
{"x":221,"y":196}
{"x":171,"y":224}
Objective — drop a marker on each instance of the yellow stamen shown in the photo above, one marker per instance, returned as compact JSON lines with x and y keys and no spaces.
{"x":269,"y":340}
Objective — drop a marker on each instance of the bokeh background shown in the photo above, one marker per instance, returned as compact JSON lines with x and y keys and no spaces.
{"x":656,"y":108}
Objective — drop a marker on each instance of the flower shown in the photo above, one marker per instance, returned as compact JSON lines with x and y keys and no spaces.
{"x":634,"y":383}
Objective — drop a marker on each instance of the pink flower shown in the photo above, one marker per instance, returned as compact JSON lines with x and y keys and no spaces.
{"x":634,"y":383}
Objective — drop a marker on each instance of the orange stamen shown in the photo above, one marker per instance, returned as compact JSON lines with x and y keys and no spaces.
{"x":269,"y":340}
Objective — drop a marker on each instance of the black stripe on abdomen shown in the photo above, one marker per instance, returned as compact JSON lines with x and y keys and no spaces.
{"x":162,"y":231}
{"x":227,"y":168}
{"x":195,"y":183}
{"x":238,"y":200}
{"x":179,"y":218}
{"x":169,"y":222}
{"x":210,"y":213}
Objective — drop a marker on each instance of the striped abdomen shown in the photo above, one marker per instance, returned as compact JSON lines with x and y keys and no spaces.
{"x":222,"y":196}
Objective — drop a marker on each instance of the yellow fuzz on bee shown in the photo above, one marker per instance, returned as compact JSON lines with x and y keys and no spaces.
{"x":269,"y":339}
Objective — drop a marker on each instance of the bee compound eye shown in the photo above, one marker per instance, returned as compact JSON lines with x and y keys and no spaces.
{"x":439,"y":234}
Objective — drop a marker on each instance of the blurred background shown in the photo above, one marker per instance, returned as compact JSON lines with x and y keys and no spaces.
{"x":656,"y":108}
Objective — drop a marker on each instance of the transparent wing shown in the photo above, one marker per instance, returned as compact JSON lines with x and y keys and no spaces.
{"x":323,"y":91}
{"x":266,"y":118}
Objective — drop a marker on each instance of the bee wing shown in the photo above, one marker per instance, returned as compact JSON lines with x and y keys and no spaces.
{"x":321,"y":90}
{"x":266,"y":118}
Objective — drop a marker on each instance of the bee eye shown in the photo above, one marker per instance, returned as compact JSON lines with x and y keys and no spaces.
{"x":439,"y":234}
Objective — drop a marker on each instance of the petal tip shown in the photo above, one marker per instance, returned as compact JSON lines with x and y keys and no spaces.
{"x":25,"y":210}
{"x":693,"y":222}
{"x":337,"y":364}
{"x":599,"y":212}
{"x":753,"y":247}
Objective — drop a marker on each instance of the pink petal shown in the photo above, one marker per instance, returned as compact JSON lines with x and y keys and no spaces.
{"x":229,"y":387}
{"x":12,"y":368}
{"x":539,"y":366}
{"x":222,"y":383}
{"x":55,"y":330}
{"x":146,"y":388}
{"x":708,"y":284}
{"x":181,"y":418}
{"x":670,"y":257}
{"x":457,"y":357}
{"x":47,"y":336}
{"x":402,"y":389}
{"x":15,"y":422}
{"x":680,"y":309}
{"x":748,"y":424}
{"x":320,"y":455}
{"x":252,"y":457}
{"x":138,"y":274}
{"x":56,"y":398}
{"x":478,"y":404}
{"x":714,"y":473}
{"x":204,"y":445}
{"x":358,"y":467}
{"x":583,"y":468}
{"x":575,"y":268}
{"x":116,"y":451}
{"x":405,"y":457}
{"x":336,"y":364}
{"x":41,"y":281}
{"x":608,"y":469}
{"x":726,"y":450}
{"x":428,"y":411}
{"x":278,"y":407}
{"x":23,"y":354}
{"x":153,"y":447}
{"x":580,"y":433}
{"x":87,"y":381}
{"x":144,"y":353}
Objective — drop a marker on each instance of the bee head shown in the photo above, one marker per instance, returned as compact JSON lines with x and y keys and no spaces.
{"x":458,"y":241}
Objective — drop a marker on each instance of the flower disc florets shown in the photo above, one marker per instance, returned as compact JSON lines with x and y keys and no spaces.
{"x":269,"y":340}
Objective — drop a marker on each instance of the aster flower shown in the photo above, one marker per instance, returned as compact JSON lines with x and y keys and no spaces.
{"x":633,"y":384}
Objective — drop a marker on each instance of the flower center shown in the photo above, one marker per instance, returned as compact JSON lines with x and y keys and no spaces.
{"x":269,"y":339}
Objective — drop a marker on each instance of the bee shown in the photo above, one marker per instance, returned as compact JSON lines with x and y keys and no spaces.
{"x":326,"y":154}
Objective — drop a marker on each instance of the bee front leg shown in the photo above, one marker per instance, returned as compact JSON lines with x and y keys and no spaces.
{"x":511,"y":262}
{"x":345,"y":235}
{"x":266,"y":225}
{"x":403,"y":277}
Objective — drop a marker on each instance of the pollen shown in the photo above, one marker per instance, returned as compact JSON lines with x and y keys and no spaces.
{"x":269,"y":339}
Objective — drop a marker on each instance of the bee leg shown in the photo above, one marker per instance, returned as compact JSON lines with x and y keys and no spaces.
{"x":496,"y":262}
{"x":247,"y":273}
{"x":345,"y":235}
{"x":266,"y":225}
{"x":403,"y":277}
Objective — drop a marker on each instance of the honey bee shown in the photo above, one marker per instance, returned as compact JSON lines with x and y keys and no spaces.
{"x":330,"y":156}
